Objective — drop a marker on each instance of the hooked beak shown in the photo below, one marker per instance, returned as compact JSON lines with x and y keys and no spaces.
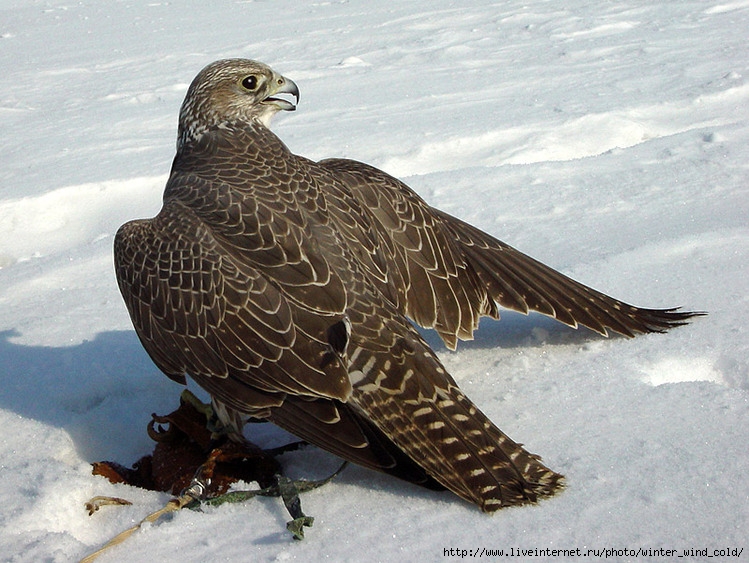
{"x":284,"y":86}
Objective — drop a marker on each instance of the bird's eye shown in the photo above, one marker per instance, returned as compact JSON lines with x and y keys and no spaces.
{"x":250,"y":82}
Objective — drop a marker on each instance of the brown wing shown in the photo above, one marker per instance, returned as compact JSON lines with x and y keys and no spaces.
{"x":406,"y":416}
{"x":517,"y":281}
{"x":427,"y":278}
{"x":202,"y":311}
{"x":454,"y":273}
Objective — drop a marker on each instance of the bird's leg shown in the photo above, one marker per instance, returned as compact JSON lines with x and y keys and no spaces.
{"x":189,"y":397}
{"x":213,"y":424}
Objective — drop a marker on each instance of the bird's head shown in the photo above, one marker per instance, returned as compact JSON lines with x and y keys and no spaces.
{"x":233,"y":90}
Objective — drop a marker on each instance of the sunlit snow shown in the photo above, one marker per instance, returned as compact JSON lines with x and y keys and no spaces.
{"x":609,"y":140}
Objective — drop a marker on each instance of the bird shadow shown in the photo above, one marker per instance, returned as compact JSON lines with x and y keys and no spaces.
{"x":516,"y":330}
{"x":103,"y":391}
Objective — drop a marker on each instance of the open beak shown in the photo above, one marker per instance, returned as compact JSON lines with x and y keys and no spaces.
{"x":285,"y":86}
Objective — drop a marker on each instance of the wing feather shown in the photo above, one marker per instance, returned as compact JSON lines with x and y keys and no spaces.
{"x":240,"y":327}
{"x":455,"y":273}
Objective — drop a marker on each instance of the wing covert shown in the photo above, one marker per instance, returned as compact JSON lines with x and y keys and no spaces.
{"x":199,"y":310}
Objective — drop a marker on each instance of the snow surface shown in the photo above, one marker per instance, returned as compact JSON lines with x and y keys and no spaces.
{"x":608,"y":139}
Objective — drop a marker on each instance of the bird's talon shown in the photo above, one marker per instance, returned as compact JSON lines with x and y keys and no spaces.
{"x":189,"y":398}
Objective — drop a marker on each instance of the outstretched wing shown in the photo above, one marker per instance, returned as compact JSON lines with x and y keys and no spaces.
{"x":454,"y":273}
{"x":517,"y":281}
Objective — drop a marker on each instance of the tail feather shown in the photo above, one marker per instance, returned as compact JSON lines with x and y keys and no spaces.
{"x":412,"y":399}
{"x":464,"y":451}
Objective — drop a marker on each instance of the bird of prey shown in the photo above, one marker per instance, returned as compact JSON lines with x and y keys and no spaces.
{"x":284,"y":287}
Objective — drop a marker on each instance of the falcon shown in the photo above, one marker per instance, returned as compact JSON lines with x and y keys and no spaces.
{"x":284,"y":288}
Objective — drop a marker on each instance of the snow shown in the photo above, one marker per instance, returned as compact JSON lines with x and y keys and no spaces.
{"x":609,"y":140}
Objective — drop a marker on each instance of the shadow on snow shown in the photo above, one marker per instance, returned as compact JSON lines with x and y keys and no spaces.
{"x":103,"y":391}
